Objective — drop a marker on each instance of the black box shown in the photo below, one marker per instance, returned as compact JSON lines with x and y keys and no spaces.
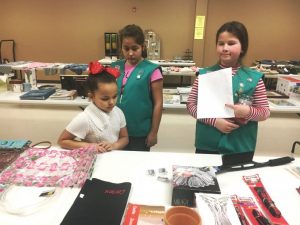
{"x":75,"y":82}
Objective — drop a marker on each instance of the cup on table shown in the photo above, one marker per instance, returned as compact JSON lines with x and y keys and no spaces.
{"x":182,"y":215}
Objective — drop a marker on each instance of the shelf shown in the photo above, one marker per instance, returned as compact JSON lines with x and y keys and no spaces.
{"x":159,"y":62}
{"x":173,"y":63}
{"x":172,"y":73}
{"x":13,"y":98}
{"x":280,"y":75}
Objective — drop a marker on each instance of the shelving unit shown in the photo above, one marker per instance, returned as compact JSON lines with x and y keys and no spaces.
{"x":270,"y":80}
{"x":167,"y":71}
{"x":174,"y":75}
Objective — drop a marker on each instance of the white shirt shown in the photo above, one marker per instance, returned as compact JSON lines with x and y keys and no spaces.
{"x":94,"y":125}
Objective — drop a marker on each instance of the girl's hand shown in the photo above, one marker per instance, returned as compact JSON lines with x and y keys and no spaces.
{"x":104,"y":146}
{"x":226,"y":126}
{"x":240,"y":111}
{"x":151,"y":139}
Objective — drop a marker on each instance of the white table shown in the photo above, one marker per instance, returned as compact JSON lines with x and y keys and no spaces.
{"x":123,"y":166}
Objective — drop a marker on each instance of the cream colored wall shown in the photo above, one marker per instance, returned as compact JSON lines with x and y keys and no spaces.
{"x":72,"y":31}
{"x":176,"y":133}
{"x":33,"y":122}
{"x":272,"y":26}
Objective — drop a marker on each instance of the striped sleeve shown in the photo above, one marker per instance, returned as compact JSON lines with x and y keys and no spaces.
{"x":259,"y":110}
{"x":192,"y":105}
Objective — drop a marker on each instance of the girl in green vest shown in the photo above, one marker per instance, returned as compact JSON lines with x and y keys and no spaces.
{"x":238,"y":134}
{"x":139,"y":90}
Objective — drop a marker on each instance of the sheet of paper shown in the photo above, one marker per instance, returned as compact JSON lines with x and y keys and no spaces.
{"x":216,"y":209}
{"x":214,"y":91}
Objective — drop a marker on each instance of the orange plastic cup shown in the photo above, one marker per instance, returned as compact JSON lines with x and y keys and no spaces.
{"x":182,"y":215}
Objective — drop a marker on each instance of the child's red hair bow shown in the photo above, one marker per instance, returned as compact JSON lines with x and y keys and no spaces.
{"x":96,"y":68}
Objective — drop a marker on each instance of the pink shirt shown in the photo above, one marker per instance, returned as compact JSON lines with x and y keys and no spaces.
{"x":156,"y":75}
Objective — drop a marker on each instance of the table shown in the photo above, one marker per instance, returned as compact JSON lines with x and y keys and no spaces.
{"x":124,"y":166}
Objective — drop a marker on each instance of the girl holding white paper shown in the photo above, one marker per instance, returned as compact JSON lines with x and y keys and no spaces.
{"x":238,"y":134}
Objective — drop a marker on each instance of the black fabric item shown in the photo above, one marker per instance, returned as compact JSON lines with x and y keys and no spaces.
{"x":137,"y":144}
{"x":99,"y":202}
{"x":201,"y":151}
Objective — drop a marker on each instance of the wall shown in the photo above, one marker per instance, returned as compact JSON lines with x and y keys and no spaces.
{"x":272,"y":26}
{"x":72,"y":31}
{"x":176,"y":133}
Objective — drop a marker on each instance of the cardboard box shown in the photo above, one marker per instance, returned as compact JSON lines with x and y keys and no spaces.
{"x":295,"y":91}
{"x":287,"y":84}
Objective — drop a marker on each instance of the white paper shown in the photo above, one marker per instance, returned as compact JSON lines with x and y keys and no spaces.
{"x":214,"y":91}
{"x":216,"y":209}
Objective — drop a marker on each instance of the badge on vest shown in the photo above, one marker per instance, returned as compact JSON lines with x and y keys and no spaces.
{"x":139,"y":74}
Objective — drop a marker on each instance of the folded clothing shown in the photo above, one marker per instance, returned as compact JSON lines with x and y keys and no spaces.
{"x":99,"y":202}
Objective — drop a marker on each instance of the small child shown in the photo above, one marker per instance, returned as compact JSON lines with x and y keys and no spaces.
{"x":101,"y":124}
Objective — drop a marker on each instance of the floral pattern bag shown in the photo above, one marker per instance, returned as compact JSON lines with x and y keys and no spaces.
{"x":50,"y":167}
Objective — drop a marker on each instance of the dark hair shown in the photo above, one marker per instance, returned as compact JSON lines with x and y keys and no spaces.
{"x":237,"y":29}
{"x":93,"y":80}
{"x":135,"y":32}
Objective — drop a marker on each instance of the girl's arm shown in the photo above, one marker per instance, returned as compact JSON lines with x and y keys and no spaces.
{"x":259,"y":110}
{"x":122,"y":141}
{"x":66,"y":140}
{"x":191,"y":104}
{"x":156,"y":90}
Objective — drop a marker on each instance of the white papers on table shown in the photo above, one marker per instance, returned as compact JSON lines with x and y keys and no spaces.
{"x":214,"y":91}
{"x":216,"y":209}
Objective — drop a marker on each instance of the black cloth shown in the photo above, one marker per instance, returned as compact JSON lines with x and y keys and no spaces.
{"x":137,"y":144}
{"x":99,"y":202}
{"x":201,"y":151}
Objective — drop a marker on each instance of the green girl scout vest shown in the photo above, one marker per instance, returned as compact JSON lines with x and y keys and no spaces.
{"x":136,"y":99}
{"x":242,"y":139}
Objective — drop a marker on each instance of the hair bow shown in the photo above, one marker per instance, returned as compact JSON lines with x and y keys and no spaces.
{"x":96,"y":68}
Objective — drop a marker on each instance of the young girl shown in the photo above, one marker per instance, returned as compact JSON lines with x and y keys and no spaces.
{"x":101,"y":123}
{"x":217,"y":135}
{"x":139,"y":90}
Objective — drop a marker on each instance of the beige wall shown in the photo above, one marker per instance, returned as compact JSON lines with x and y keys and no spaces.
{"x":72,"y":31}
{"x":273,"y":27}
{"x":176,"y":132}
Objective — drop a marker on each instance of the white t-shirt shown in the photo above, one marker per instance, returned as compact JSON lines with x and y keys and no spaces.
{"x":94,"y":125}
